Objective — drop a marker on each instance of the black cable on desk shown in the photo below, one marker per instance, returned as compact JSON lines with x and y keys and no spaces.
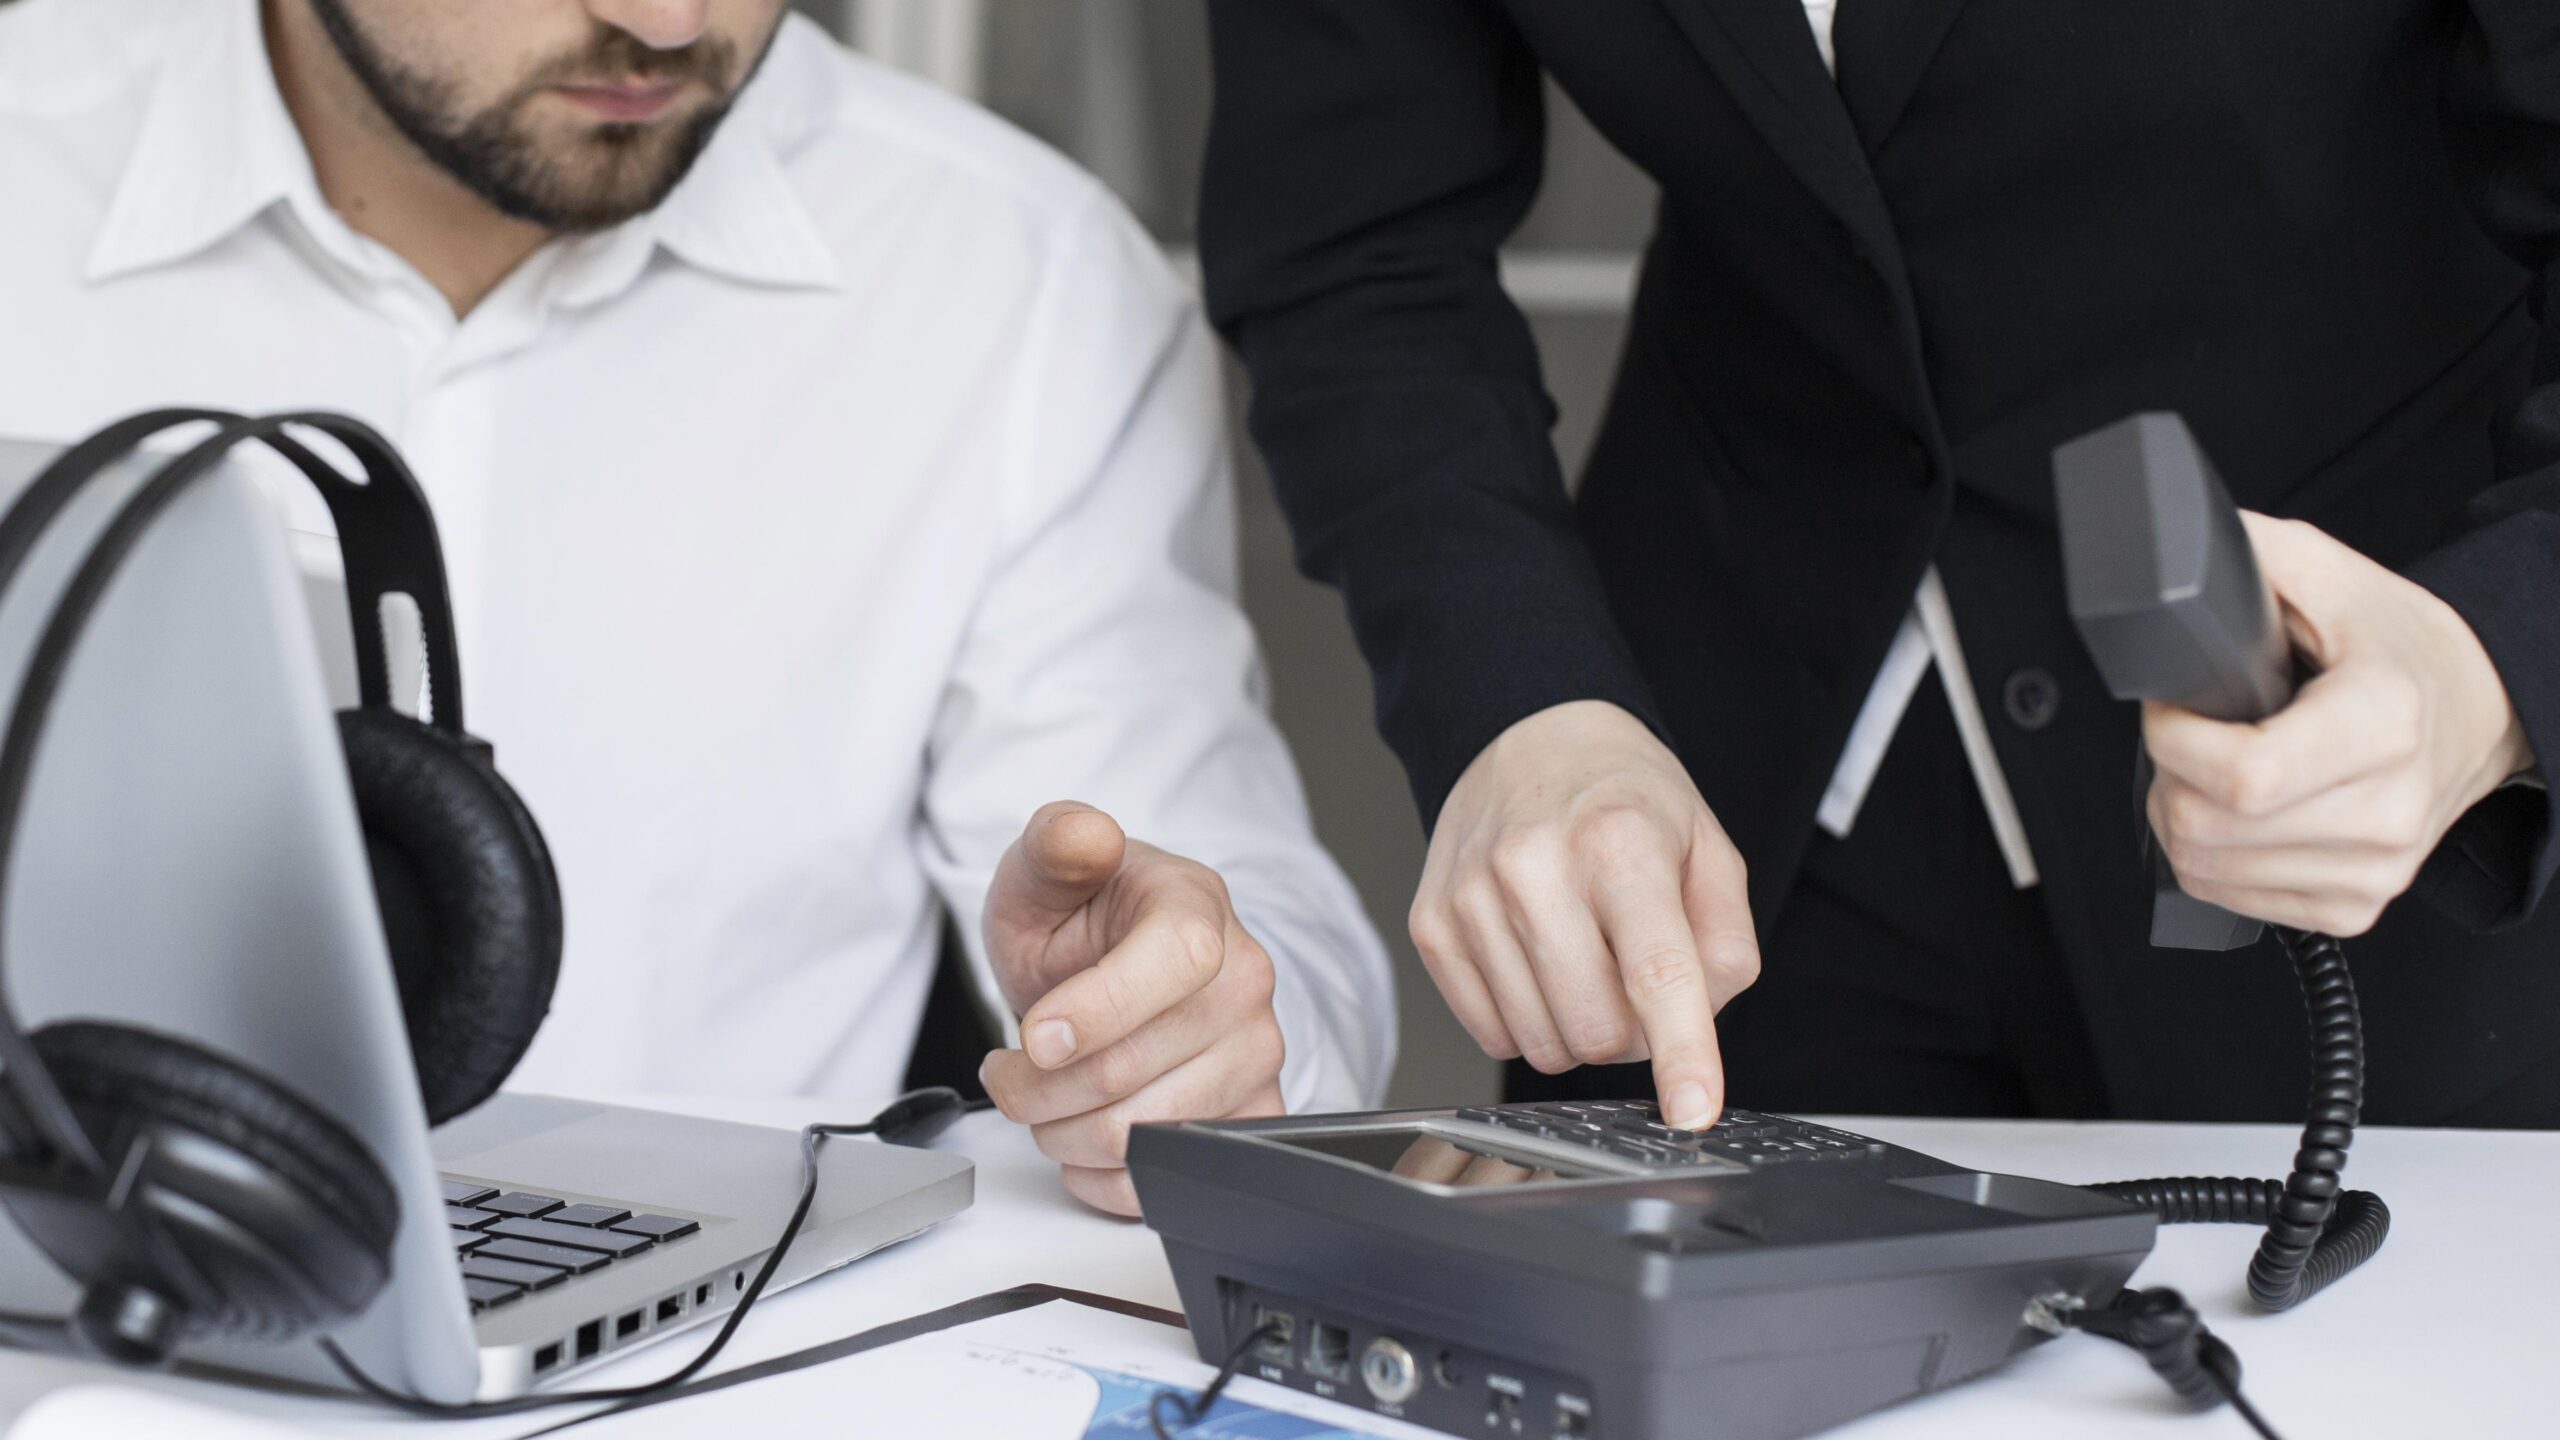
{"x":1189,"y":1413}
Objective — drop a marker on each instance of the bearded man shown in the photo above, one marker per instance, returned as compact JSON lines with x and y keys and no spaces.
{"x":828,"y":474}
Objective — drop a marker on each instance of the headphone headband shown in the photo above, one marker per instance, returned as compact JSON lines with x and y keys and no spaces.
{"x":385,"y":532}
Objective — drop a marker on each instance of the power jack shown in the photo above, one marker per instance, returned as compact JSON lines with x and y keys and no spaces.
{"x":1387,"y":1368}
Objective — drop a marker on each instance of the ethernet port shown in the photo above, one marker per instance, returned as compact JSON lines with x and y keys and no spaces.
{"x":1329,"y":1352}
{"x":670,"y":1308}
{"x":1279,"y":1332}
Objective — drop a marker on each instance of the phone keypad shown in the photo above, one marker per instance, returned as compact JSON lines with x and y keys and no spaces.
{"x":1633,"y":1130}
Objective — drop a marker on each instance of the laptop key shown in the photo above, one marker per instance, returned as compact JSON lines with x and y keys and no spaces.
{"x":466,"y":1192}
{"x":587,"y":1215}
{"x":485,"y":1293}
{"x":513,"y":1272}
{"x":611,"y":1242}
{"x":520,"y":1202}
{"x":465,"y":1241}
{"x":463,"y":1217}
{"x":657,"y":1227}
{"x":534,"y":1252}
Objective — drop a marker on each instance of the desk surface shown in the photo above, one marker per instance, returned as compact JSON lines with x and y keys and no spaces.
{"x":2451,"y":1330}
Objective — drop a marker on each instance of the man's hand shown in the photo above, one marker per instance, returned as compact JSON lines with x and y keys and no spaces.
{"x":2320,"y":815}
{"x":1580,"y":905}
{"x":1141,"y":997}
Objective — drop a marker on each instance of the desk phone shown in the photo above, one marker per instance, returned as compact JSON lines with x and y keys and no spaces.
{"x":1577,"y":1271}
{"x":1581,"y":1270}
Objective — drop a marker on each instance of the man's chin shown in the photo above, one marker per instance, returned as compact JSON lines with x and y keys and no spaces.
{"x":623,"y":172}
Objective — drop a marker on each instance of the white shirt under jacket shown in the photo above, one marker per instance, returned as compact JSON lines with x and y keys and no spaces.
{"x":805,"y":534}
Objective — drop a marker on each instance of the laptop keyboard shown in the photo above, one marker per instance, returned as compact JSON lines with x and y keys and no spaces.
{"x":511,"y":1243}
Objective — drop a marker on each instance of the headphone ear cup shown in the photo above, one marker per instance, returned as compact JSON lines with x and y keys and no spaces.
{"x":471,"y":908}
{"x":297,"y":1238}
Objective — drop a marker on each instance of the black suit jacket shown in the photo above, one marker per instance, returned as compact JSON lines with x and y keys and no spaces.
{"x":2326,"y":231}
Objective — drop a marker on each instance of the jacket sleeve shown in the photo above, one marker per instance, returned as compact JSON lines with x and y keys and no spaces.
{"x":1365,"y":163}
{"x":2501,"y":572}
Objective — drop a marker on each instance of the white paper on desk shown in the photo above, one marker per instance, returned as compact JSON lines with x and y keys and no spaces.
{"x":86,"y":1412}
{"x":1059,"y":1371}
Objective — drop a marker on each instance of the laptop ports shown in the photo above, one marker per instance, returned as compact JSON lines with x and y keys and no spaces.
{"x":670,"y":1308}
{"x":629,"y":1325}
{"x":590,"y":1339}
{"x":546,"y":1358}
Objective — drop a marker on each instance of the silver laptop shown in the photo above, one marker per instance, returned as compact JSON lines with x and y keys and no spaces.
{"x":193,"y":863}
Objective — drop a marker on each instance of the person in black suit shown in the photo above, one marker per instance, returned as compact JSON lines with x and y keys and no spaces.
{"x":1793,"y":666}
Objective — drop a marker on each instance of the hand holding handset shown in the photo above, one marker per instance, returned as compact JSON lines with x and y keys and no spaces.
{"x":2168,"y":597}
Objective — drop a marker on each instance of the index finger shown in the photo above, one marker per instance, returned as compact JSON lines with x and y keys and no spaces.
{"x":1642,"y":916}
{"x":1177,"y":946}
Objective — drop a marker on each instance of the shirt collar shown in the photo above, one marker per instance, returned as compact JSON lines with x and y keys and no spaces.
{"x":736,"y":212}
{"x":216,"y":148}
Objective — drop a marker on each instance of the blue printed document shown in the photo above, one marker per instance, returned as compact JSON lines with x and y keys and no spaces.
{"x":1058,"y":1371}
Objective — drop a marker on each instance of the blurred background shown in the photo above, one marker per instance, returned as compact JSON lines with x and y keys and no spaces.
{"x":1122,"y":86}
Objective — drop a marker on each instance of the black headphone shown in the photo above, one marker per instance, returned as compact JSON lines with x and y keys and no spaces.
{"x":186,"y":1193}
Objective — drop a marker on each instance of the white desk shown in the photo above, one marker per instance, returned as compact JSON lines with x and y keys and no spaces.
{"x":2453,"y":1330}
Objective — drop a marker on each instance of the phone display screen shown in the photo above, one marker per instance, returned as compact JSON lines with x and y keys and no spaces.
{"x":1413,"y":1153}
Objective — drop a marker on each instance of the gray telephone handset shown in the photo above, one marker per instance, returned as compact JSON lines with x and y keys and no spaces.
{"x":2168,"y":597}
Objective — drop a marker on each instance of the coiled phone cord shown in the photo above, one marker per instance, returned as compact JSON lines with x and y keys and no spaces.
{"x":2316,"y":1232}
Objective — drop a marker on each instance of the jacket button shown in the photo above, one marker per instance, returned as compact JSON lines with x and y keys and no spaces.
{"x":2032,"y":698}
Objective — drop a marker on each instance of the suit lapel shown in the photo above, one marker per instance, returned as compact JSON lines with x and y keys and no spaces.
{"x":1884,"y":47}
{"x":1764,"y":53}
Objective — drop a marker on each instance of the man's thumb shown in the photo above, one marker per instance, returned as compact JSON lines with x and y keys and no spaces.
{"x":1068,"y":852}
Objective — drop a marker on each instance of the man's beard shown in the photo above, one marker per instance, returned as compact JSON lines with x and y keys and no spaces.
{"x":610,"y":174}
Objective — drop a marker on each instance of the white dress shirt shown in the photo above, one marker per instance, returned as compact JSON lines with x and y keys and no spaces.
{"x":1927,"y":637}
{"x":805,"y":534}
